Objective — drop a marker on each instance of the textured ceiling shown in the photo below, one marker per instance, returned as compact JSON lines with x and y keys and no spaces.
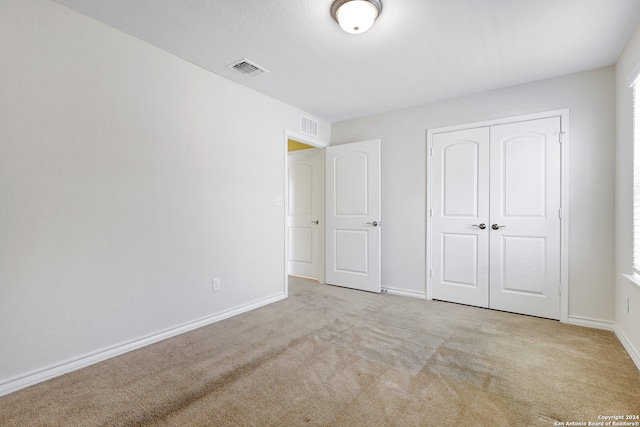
{"x":418,"y":51}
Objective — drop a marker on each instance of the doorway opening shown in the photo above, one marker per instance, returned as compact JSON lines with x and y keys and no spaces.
{"x":332,"y":213}
{"x":304,"y":209}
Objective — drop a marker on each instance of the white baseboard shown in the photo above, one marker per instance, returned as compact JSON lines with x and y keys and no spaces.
{"x":592,"y":323}
{"x":404,"y":293}
{"x":633,"y":352}
{"x":609,"y":326}
{"x":16,"y":383}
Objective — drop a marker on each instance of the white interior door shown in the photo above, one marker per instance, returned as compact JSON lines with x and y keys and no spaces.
{"x":353,"y":215}
{"x":525,"y":209}
{"x":460,"y":216}
{"x":303,"y":215}
{"x":496,"y":217}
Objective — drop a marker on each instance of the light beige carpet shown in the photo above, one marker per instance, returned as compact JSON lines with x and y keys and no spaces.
{"x":329,"y":356}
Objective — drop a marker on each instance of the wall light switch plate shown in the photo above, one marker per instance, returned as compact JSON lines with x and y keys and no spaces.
{"x":279,"y":201}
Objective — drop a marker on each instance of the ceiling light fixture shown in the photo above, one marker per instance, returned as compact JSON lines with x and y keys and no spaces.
{"x":356,"y":16}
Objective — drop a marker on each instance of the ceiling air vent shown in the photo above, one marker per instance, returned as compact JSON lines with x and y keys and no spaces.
{"x":247,"y":68}
{"x":308,"y":125}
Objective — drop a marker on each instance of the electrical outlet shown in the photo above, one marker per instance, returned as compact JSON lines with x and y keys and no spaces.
{"x":216,"y":284}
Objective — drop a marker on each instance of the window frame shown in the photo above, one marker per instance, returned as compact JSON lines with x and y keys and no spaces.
{"x":634,"y":277}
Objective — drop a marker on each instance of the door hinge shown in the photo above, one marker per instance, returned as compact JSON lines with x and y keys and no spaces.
{"x":560,"y":213}
{"x":561,"y":137}
{"x":431,"y":212}
{"x":431,"y":273}
{"x":560,"y":289}
{"x":431,"y":151}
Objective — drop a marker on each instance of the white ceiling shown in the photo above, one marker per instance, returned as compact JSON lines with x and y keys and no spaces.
{"x":418,"y":51}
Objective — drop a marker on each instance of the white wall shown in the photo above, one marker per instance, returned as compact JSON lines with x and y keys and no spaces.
{"x":129,"y":179}
{"x":590,"y":96}
{"x":628,"y":323}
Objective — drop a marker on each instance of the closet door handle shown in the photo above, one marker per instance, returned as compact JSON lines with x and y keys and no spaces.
{"x":497,"y":227}
{"x":480,"y":226}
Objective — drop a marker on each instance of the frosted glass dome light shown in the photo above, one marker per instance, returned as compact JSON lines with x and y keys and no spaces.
{"x":356,"y":16}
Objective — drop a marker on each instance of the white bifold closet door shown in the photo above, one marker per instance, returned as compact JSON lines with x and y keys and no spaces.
{"x":496,"y":229}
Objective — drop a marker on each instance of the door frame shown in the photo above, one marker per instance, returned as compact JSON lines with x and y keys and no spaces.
{"x":321,"y":204}
{"x":564,"y":199}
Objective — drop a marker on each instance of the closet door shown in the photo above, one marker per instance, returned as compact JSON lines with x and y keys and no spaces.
{"x":460,"y":217}
{"x":525,"y":217}
{"x":496,"y":218}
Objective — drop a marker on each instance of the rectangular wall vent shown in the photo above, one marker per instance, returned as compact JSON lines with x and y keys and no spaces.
{"x":247,"y":68}
{"x":308,"y":125}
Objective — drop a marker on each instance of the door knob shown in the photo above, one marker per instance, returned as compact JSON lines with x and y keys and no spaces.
{"x":316,"y":222}
{"x":374,"y":223}
{"x":480,"y":226}
{"x":497,"y":227}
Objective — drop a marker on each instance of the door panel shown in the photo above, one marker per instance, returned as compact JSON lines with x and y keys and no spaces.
{"x":524,"y":261}
{"x":351,"y":196}
{"x":525,"y":204}
{"x":524,"y":174}
{"x":352,"y":251}
{"x":301,"y":241}
{"x":303,"y":213}
{"x":302,"y":172}
{"x":460,"y":181}
{"x":353,"y":215}
{"x":461,"y":170}
{"x":460,"y":260}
